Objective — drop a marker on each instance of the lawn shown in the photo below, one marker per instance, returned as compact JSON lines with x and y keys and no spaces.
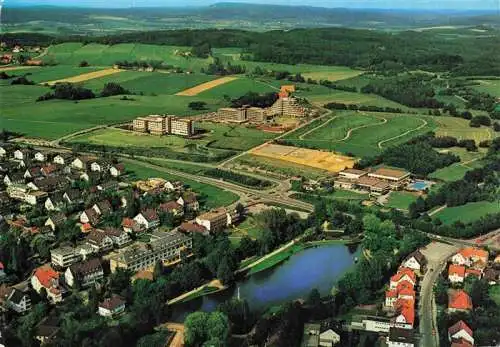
{"x":212,"y":196}
{"x":249,"y":227}
{"x":467,"y":213}
{"x":237,"y":88}
{"x":335,"y":74}
{"x":276,"y":258}
{"x":234,"y":137}
{"x":454,"y":172}
{"x":490,"y":86}
{"x":459,"y":128}
{"x":400,"y":200}
{"x":51,"y":73}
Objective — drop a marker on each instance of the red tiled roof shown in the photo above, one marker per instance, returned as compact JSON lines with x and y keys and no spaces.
{"x":470,"y":252}
{"x":460,"y":300}
{"x":458,"y":326}
{"x":456,"y":270}
{"x":127,"y":222}
{"x":404,"y":271}
{"x":473,"y":272}
{"x":391,"y":293}
{"x":406,"y":308}
{"x":46,"y":275}
{"x":170,"y":206}
{"x":461,"y":343}
{"x":112,"y":303}
{"x":192,"y":227}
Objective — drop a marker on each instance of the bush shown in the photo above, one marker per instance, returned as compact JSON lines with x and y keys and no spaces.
{"x":22,"y":80}
{"x":83,"y":63}
{"x":197,"y":105}
{"x":68,"y":91}
{"x":113,"y":88}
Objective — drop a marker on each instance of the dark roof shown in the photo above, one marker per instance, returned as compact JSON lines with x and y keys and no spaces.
{"x":112,"y":303}
{"x":113,"y":231}
{"x":491,"y":274}
{"x":458,"y":326}
{"x":150,"y":215}
{"x":104,"y":206}
{"x":418,"y":256}
{"x":92,"y":215}
{"x":16,"y":296}
{"x":73,"y":193}
{"x":58,"y":218}
{"x":192,"y":227}
{"x":169,"y":206}
{"x":96,"y":237}
{"x":87,"y":267}
{"x":401,"y":335}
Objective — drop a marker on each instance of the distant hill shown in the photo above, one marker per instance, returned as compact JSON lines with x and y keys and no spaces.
{"x":90,"y":21}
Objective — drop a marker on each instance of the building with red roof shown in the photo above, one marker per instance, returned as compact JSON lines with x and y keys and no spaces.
{"x":461,"y":343}
{"x":469,"y":255}
{"x":403,"y":274}
{"x":459,"y":301}
{"x":456,"y":273}
{"x":405,"y":310}
{"x":48,"y":278}
{"x":460,"y":331}
{"x":473,"y":272}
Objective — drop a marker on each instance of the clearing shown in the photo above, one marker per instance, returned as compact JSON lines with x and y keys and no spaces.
{"x":86,"y":76}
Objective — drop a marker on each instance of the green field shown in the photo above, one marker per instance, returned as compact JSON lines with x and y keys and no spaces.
{"x":400,"y":200}
{"x":212,"y":196}
{"x":216,"y":138}
{"x":237,"y":88}
{"x":459,"y":128}
{"x":335,"y":74}
{"x":490,"y":86}
{"x":467,"y":213}
{"x":454,"y":172}
{"x":371,"y":132}
{"x":51,"y":73}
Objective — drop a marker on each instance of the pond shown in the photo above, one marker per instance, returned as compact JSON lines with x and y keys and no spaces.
{"x":319,"y":267}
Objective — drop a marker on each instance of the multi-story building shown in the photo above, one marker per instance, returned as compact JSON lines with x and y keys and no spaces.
{"x":64,"y":256}
{"x":288,"y":107}
{"x":230,"y":114}
{"x":164,"y":125}
{"x":215,"y":220}
{"x":85,"y":274}
{"x":166,"y":247}
{"x":395,"y":178}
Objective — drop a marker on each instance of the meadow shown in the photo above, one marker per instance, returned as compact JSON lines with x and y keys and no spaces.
{"x":469,"y":212}
{"x":490,"y":86}
{"x":400,"y":200}
{"x":459,"y":128}
{"x":454,"y":172}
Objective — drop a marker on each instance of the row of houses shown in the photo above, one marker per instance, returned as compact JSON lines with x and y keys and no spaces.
{"x":377,"y":182}
{"x":471,"y":261}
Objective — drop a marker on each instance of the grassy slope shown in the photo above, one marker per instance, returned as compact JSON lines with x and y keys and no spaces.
{"x":215,"y":197}
{"x":468,"y":212}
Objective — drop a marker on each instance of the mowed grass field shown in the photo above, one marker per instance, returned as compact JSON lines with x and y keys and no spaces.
{"x":490,"y":86}
{"x":468,"y":161}
{"x":400,"y":200}
{"x":467,"y":213}
{"x":215,"y":137}
{"x":335,"y":74}
{"x":459,"y":128}
{"x":362,"y":133}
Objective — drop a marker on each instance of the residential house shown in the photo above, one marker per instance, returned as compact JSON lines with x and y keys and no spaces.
{"x":100,"y":165}
{"x":456,"y":273}
{"x":172,"y":207}
{"x":111,"y":307}
{"x":47,"y":330}
{"x":33,"y":172}
{"x":56,"y":221}
{"x":48,"y":278}
{"x":120,"y":237}
{"x":329,"y":338}
{"x":73,"y":196}
{"x":148,"y":218}
{"x":473,"y":272}
{"x":63,"y":159}
{"x":90,"y":216}
{"x":54,"y":202}
{"x":415,"y":261}
{"x":403,"y":274}
{"x":191,"y":228}
{"x":469,"y":256}
{"x":22,"y":154}
{"x":461,"y":343}
{"x":49,"y":184}
{"x":492,"y":275}
{"x":215,"y":220}
{"x":103,"y":208}
{"x":189,"y":201}
{"x":40,"y":156}
{"x":108,"y":186}
{"x":399,"y":337}
{"x":459,"y":300}
{"x":64,"y":256}
{"x":50,"y":170}
{"x":81,"y":163}
{"x":85,"y":274}
{"x":18,"y":300}
{"x":174,"y":186}
{"x":13,"y":178}
{"x":99,"y":240}
{"x":404,"y":290}
{"x":131,"y":226}
{"x":405,"y":312}
{"x":117,"y":170}
{"x":460,"y":330}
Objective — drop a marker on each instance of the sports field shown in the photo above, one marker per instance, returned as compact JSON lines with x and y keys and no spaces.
{"x":86,"y":76}
{"x":322,"y":160}
{"x":467,"y":213}
{"x":206,"y":86}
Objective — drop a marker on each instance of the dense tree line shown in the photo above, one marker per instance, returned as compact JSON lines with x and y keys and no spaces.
{"x":366,"y":108}
{"x":22,"y":80}
{"x":113,"y":88}
{"x":255,"y":99}
{"x":221,"y":69}
{"x":237,"y":178}
{"x":67,"y":91}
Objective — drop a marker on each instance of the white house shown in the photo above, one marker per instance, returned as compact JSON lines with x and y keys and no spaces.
{"x":62,"y":159}
{"x":456,"y":273}
{"x":21,"y":154}
{"x":415,"y":261}
{"x":111,"y":307}
{"x":328,"y":338}
{"x":116,"y":170}
{"x":18,"y":300}
{"x":100,"y":241}
{"x":39,"y":156}
{"x":460,"y":330}
{"x":469,"y":255}
{"x":148,"y":218}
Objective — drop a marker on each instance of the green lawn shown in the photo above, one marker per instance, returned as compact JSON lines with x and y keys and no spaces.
{"x":494,"y":293}
{"x":335,"y":74}
{"x":400,"y":200}
{"x":490,"y":86}
{"x":468,"y":213}
{"x":459,"y":128}
{"x":163,"y":83}
{"x":205,"y":291}
{"x":51,"y":73}
{"x":276,"y":259}
{"x":237,"y":88}
{"x":454,"y":172}
{"x":213,"y":196}
{"x":249,"y":227}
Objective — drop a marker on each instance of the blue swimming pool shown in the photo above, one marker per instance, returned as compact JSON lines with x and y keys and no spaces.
{"x":420,"y":185}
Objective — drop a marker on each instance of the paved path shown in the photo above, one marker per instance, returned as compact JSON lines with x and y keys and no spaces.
{"x":436,"y":253}
{"x":214,"y":283}
{"x":267,"y":256}
{"x":178,"y":329}
{"x":437,"y":210}
{"x":349,"y":133}
{"x":424,"y":124}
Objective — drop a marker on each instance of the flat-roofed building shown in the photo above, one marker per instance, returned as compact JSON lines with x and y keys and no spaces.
{"x":64,"y":256}
{"x":373,"y":185}
{"x":215,"y":220}
{"x":256,"y":114}
{"x":230,"y":114}
{"x":287,"y":107}
{"x":180,"y":126}
{"x":163,"y":125}
{"x":140,"y":124}
{"x":396,"y":178}
{"x":157,"y":125}
{"x":166,"y":247}
{"x":352,"y":174}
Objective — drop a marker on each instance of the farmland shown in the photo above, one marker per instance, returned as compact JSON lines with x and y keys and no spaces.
{"x":206,"y":86}
{"x":85,"y":76}
{"x":467,"y":213}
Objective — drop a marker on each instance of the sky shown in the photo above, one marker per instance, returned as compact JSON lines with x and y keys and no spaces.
{"x":390,"y":4}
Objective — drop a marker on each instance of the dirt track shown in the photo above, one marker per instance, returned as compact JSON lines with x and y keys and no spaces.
{"x":86,"y":76}
{"x":206,"y":86}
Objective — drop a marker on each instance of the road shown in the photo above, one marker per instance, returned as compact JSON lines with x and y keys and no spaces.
{"x":178,"y":329}
{"x":436,"y":253}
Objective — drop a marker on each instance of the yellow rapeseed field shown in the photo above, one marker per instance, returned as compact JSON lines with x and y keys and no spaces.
{"x":206,"y":86}
{"x":86,"y":76}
